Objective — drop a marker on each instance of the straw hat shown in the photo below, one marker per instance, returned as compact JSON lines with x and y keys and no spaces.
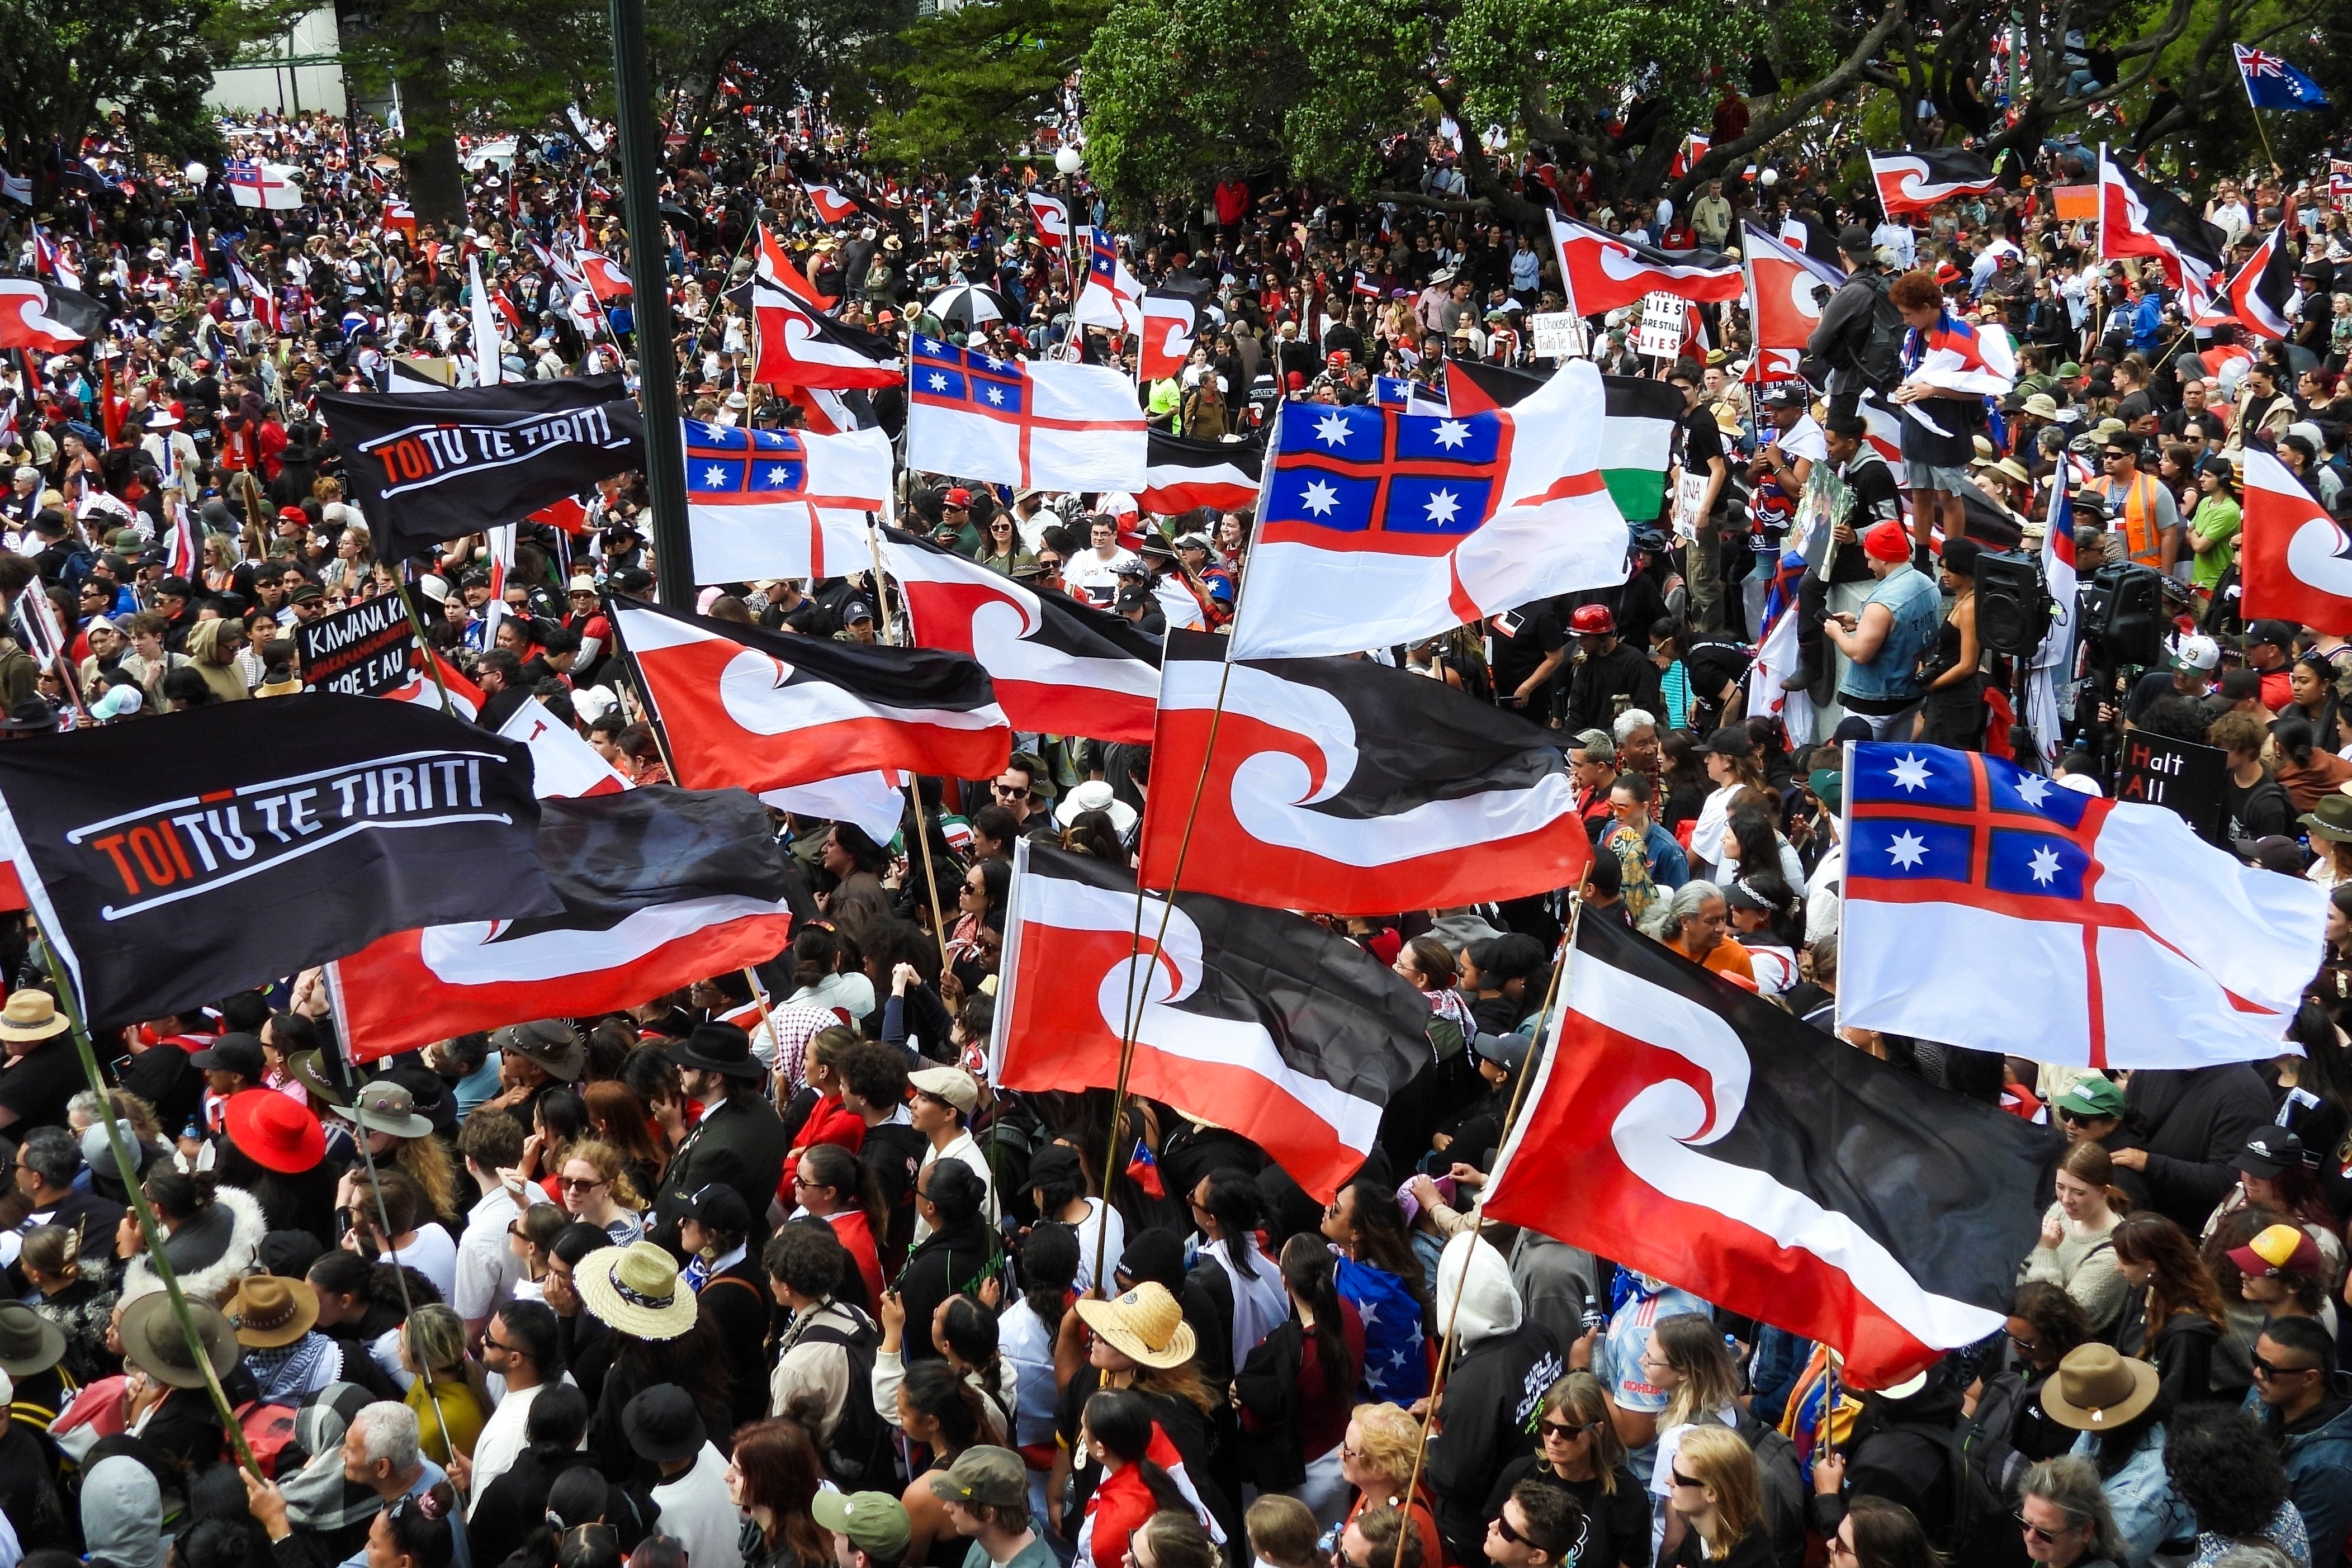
{"x":1145,"y":1324}
{"x":152,"y":1343}
{"x":31,"y":1015}
{"x":635,"y":1289}
{"x":269,"y":1311}
{"x":2097,"y":1391}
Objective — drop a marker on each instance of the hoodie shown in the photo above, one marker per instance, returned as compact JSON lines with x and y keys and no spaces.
{"x":227,"y":681}
{"x":122,"y":1514}
{"x":1504,"y":1363}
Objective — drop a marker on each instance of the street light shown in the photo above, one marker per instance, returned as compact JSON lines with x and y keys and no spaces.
{"x":1068,"y":158}
{"x":197,"y":174}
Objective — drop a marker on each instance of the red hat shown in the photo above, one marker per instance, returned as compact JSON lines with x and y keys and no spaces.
{"x":1592,"y":620}
{"x":1888,"y":541}
{"x":297,"y":513}
{"x":958,"y":497}
{"x":2280,"y":1249}
{"x":275,"y":1132}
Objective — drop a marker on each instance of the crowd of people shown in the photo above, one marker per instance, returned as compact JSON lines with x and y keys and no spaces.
{"x":745,"y":1275}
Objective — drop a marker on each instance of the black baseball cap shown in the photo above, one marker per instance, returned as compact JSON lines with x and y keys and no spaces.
{"x":239,"y":1053}
{"x":2270,"y":1154}
{"x":1730,"y":741}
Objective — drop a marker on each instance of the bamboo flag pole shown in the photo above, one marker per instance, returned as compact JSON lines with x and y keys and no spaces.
{"x":1552,"y":1017}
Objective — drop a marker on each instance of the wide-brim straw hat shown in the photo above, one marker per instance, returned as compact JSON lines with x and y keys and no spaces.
{"x":635,"y":1289}
{"x":1145,"y":1324}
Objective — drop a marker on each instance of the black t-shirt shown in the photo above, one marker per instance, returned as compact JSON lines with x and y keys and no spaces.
{"x":1702,"y":439}
{"x":37,"y":1084}
{"x":1874,"y":499}
{"x":1516,"y":656}
{"x":2256,"y":810}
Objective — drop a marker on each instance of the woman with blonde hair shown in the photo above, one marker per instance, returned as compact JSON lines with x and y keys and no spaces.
{"x":432,"y":1352}
{"x":1717,"y":1495}
{"x":1685,"y":1357}
{"x":2077,"y":1250}
{"x":596,"y":1186}
{"x":1579,"y":1452}
{"x":1376,"y":1459}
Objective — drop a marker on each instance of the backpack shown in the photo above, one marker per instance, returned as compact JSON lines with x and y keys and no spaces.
{"x":269,"y":1431}
{"x":1978,"y":1530}
{"x":1877,"y":356}
{"x":1784,"y":1488}
{"x":864,"y":1451}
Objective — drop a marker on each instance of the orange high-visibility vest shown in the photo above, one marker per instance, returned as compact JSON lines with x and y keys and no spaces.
{"x":2142,"y":537}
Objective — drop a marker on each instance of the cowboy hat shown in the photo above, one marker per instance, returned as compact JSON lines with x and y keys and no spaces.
{"x":636,"y":1290}
{"x":31,"y":1015}
{"x":269,"y":1311}
{"x":2097,"y":1391}
{"x":2330,"y":818}
{"x":152,"y":1343}
{"x":29,"y":1342}
{"x":548,"y":1042}
{"x":719,"y":1048}
{"x":386,"y":1107}
{"x":273,"y":1131}
{"x":307,"y":1067}
{"x":1145,"y":1324}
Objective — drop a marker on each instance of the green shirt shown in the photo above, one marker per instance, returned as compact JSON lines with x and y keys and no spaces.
{"x":2216,"y":518}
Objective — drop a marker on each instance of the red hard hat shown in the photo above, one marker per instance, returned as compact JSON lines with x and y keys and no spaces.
{"x":1592,"y":620}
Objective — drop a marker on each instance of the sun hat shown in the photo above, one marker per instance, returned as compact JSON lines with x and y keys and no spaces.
{"x":1144,"y":1323}
{"x":273,"y":1131}
{"x":152,"y":1343}
{"x":307,"y":1067}
{"x":2330,"y":816}
{"x":2098,"y":1390}
{"x":31,"y":1015}
{"x":953,"y":1085}
{"x":549,"y":1043}
{"x":2281,"y":1249}
{"x":2042,"y":405}
{"x":2094,"y":1096}
{"x":636,"y":1290}
{"x":721,"y":1048}
{"x":386,"y":1107}
{"x":663,"y":1424}
{"x":29,"y":1342}
{"x":984,"y":1476}
{"x":1094,"y":795}
{"x":267,"y":1311}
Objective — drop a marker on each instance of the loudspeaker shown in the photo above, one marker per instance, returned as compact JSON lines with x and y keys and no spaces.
{"x":2123,"y":615}
{"x":2013,"y":604}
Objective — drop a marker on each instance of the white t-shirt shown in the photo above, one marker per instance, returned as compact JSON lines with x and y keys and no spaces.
{"x":697,"y":1511}
{"x":432,"y":1252}
{"x":1089,"y":576}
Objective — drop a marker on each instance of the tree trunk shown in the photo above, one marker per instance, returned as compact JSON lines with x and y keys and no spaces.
{"x":429,"y":143}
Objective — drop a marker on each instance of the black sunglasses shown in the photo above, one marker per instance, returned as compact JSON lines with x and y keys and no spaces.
{"x":2266,"y":1370}
{"x":2036,"y":1531}
{"x":1682,"y":1480}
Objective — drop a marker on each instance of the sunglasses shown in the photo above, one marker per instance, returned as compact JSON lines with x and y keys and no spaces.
{"x":1502,"y":1528}
{"x":2266,"y":1370}
{"x":1564,"y":1431}
{"x":1007,"y":791}
{"x":2036,"y":1531}
{"x":1682,"y":1480}
{"x":579,"y":1184}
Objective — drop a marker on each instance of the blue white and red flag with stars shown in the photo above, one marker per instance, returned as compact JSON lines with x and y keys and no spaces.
{"x":1111,"y":297}
{"x":1037,"y":424}
{"x":1377,"y":526}
{"x":1993,"y":908}
{"x":781,"y":503}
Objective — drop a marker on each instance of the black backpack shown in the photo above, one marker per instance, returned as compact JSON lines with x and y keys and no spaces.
{"x":863,"y":1454}
{"x":1877,"y":350}
{"x":1976,"y":1530}
{"x":1783,"y":1485}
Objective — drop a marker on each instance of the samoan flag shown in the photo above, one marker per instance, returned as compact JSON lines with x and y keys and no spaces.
{"x":2272,"y":83}
{"x":2121,"y":939}
{"x":1396,"y":1358}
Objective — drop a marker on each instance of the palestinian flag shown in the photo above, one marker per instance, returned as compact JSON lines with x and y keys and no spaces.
{"x":1637,"y":443}
{"x":661,"y":887}
{"x":764,"y":710}
{"x":1692,"y":1130}
{"x":1254,"y":1019}
{"x":1057,"y":666}
{"x":1183,"y":474}
{"x":1349,"y":787}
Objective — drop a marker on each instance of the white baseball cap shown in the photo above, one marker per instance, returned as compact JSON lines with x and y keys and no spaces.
{"x":2197,"y":653}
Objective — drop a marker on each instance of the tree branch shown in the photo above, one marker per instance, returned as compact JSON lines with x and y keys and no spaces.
{"x":1796,"y":106}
